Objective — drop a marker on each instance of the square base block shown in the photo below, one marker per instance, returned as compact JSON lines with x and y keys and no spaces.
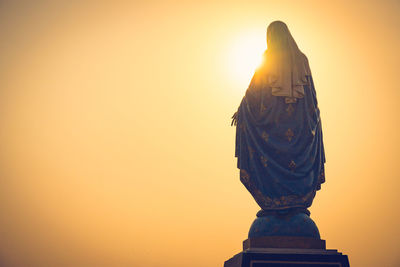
{"x":288,"y":257}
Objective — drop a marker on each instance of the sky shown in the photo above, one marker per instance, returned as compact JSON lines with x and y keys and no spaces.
{"x":116,"y":145}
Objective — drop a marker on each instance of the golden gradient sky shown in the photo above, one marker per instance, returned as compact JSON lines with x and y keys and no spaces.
{"x":116,"y":145}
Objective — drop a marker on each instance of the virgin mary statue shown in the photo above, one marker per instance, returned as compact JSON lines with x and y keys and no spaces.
{"x":279,"y":146}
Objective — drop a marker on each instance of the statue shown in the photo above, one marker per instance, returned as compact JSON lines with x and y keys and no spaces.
{"x":279,"y":145}
{"x":281,"y":158}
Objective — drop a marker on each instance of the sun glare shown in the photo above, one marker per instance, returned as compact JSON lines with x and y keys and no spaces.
{"x":246,"y":55}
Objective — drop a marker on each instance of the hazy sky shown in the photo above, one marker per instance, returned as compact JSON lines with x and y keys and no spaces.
{"x":116,"y":145}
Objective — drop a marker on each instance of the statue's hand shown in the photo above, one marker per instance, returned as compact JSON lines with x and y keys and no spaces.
{"x":234,"y":119}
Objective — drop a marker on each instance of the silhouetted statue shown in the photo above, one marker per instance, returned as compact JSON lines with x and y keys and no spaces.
{"x":279,"y":144}
{"x":281,"y":159}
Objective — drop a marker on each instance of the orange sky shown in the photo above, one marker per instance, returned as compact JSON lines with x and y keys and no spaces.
{"x":116,"y":148}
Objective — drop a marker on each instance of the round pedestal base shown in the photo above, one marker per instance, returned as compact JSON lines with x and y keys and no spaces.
{"x":281,"y":224}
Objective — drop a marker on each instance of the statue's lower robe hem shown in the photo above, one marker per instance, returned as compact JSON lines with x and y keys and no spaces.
{"x":281,"y":203}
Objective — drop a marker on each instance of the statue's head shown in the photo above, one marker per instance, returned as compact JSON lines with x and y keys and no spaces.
{"x":278,"y":36}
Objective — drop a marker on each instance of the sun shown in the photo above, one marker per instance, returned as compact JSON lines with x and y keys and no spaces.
{"x":245,"y":55}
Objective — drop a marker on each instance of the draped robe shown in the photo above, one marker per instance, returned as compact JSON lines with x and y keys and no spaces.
{"x":279,"y":146}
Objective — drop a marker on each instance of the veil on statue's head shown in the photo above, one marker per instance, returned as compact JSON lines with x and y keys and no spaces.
{"x":285,"y":67}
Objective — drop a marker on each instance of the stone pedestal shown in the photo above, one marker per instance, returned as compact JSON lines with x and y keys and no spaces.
{"x":285,"y":239}
{"x":288,"y":257}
